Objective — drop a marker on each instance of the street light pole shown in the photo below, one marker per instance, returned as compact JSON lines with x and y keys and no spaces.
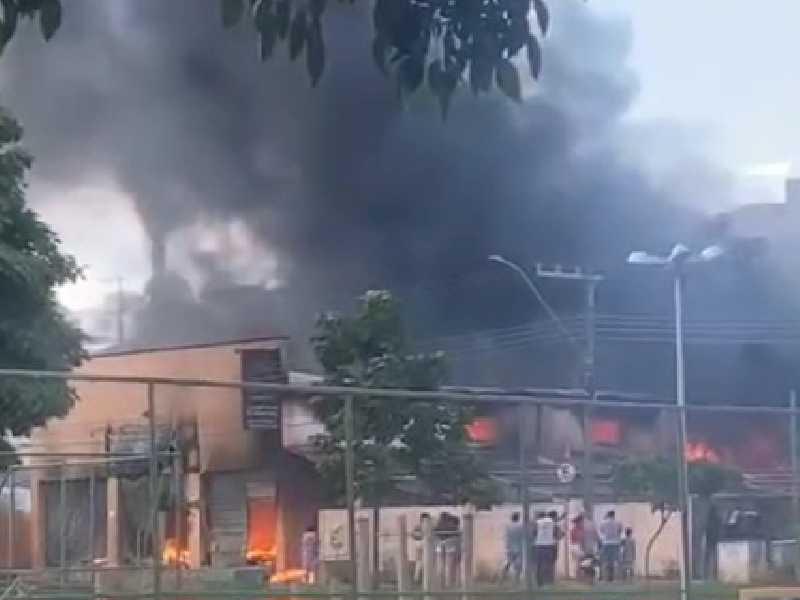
{"x":683,"y":469}
{"x":678,"y":258}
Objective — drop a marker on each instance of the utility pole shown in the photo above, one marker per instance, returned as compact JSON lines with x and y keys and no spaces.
{"x":120,"y":312}
{"x":590,"y":282}
{"x":795,"y":476}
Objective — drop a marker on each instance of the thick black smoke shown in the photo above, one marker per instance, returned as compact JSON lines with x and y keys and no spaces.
{"x":348,"y":189}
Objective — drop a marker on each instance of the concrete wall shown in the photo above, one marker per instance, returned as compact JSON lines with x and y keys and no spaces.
{"x":489,"y":550}
{"x":19,"y":556}
{"x":224,"y":443}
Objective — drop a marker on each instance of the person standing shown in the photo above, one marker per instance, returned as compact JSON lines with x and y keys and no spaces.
{"x":419,"y":548}
{"x":515,"y":539}
{"x":448,"y":548}
{"x":583,"y":543}
{"x":309,"y":551}
{"x":610,"y":531}
{"x":628,"y":555}
{"x":713,"y":530}
{"x":558,"y":535}
{"x":545,"y":548}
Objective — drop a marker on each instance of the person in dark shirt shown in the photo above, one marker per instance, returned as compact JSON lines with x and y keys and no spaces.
{"x":627,"y":555}
{"x":713,"y":532}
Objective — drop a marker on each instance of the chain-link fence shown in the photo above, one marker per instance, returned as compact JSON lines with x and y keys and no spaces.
{"x":157,"y":487}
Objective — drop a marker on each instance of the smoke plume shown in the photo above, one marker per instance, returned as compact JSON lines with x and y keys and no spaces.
{"x":343,"y":187}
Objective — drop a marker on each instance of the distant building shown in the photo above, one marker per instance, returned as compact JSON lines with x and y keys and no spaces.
{"x":765,"y":228}
{"x":249,"y":491}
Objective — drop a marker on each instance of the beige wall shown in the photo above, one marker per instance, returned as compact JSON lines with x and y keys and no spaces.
{"x":224,"y":444}
{"x":490,"y":526}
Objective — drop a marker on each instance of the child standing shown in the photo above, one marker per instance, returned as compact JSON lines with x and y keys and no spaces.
{"x":628,"y":552}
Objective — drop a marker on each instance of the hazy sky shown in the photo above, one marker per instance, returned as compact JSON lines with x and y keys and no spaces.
{"x":720,"y":69}
{"x":728,"y":67}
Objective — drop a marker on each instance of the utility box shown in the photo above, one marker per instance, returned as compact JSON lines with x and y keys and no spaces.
{"x":741,"y":561}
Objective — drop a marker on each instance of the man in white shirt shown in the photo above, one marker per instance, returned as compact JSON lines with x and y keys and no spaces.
{"x":545,"y":548}
{"x":610,"y":531}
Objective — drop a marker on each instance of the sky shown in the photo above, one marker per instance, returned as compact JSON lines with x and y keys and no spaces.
{"x":720,"y":69}
{"x":725,"y":67}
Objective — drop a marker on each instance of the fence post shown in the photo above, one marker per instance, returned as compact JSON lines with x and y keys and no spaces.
{"x":523,"y":424}
{"x":795,"y":481}
{"x":350,"y":491}
{"x":467,"y":549}
{"x":362,"y":554}
{"x":178,"y":506}
{"x":12,"y":514}
{"x":154,"y":488}
{"x":91,"y":524}
{"x":402,"y":556}
{"x":62,"y":511}
{"x":428,"y":575}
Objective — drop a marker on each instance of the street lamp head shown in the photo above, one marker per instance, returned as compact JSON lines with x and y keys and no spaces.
{"x":496,"y":258}
{"x":645,"y":258}
{"x":679,"y":254}
{"x":711,"y":253}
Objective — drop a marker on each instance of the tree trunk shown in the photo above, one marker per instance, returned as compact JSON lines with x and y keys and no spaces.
{"x":665,"y":515}
{"x":376,"y":554}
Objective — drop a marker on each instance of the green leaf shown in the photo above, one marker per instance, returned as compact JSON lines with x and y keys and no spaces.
{"x":282,"y":14}
{"x":266,"y":40}
{"x":480,"y":75}
{"x":297,"y":34}
{"x":508,"y":79}
{"x":435,"y":76}
{"x":260,"y":7}
{"x":410,"y":73}
{"x":315,"y":52}
{"x":534,"y":56}
{"x":449,"y":85}
{"x":262,"y":14}
{"x":232,"y":11}
{"x":50,"y":18}
{"x":379,"y":53}
{"x":542,"y":15}
{"x":317,"y":7}
{"x":8,"y":23}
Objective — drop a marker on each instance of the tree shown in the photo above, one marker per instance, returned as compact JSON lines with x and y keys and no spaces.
{"x":393,"y":438}
{"x":443,"y":42}
{"x":34,"y":332}
{"x":657,"y":479}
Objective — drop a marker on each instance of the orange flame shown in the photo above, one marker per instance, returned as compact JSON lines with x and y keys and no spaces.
{"x":289,"y":576}
{"x":173,"y":554}
{"x":701,"y":452}
{"x":260,"y":556}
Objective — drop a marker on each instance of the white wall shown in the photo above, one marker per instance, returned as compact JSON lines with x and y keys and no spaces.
{"x":489,"y":549}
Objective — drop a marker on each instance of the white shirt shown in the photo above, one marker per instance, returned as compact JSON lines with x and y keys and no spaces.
{"x":545,"y":532}
{"x":610,"y":531}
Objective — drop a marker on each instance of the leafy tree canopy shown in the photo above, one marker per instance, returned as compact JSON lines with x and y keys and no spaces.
{"x":441,"y":42}
{"x":34,"y":332}
{"x":393,"y":438}
{"x":658,"y":479}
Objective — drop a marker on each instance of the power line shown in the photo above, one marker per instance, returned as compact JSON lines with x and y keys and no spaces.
{"x":534,"y":326}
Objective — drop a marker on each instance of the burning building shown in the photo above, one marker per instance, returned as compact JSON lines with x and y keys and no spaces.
{"x":235,"y":488}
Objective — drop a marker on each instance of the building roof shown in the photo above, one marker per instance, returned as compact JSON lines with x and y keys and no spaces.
{"x":124,"y":351}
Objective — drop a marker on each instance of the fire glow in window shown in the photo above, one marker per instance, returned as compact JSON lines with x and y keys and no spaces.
{"x":606,"y":432}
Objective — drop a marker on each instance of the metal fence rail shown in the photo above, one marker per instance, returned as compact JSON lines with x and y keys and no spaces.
{"x":559,"y":398}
